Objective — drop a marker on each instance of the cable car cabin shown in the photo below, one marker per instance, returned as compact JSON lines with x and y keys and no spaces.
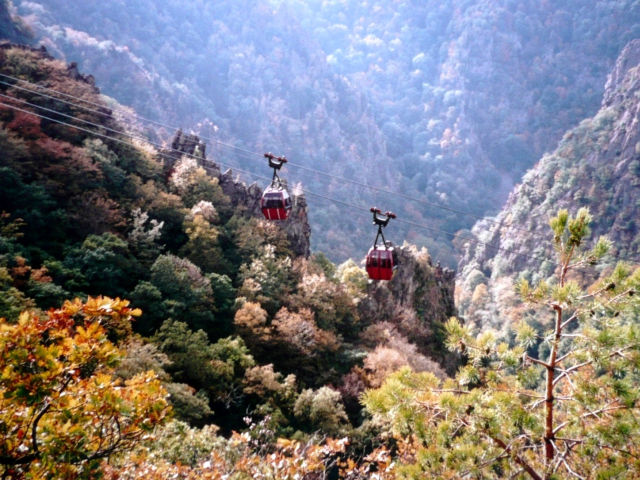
{"x":381,"y":263}
{"x":275,"y":203}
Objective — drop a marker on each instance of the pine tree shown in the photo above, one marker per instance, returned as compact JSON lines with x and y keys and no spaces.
{"x":558,"y":403}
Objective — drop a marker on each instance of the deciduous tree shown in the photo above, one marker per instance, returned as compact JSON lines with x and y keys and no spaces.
{"x":61,"y":408}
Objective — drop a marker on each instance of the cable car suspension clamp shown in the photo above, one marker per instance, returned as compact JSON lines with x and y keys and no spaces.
{"x":381,"y":220}
{"x":275,"y":163}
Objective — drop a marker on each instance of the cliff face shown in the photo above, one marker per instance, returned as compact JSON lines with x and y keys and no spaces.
{"x":417,"y":301}
{"x":596,"y":165}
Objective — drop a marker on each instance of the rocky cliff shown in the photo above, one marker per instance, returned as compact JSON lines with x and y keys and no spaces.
{"x":417,"y":302}
{"x":596,"y":165}
{"x":296,"y":226}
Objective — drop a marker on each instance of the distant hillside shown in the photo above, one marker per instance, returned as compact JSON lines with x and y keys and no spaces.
{"x":596,"y":165}
{"x":11,"y":26}
{"x":447,"y":102}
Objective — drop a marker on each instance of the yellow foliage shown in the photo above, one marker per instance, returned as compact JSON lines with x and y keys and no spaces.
{"x":60,"y":406}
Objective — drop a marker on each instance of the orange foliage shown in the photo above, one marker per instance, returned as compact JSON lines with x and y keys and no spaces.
{"x":60,"y":407}
{"x":289,"y":459}
{"x":299,"y":330}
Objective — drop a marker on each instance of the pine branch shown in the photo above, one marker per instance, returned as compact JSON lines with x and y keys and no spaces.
{"x":620,"y":295}
{"x":594,"y":413}
{"x":566,"y":372}
{"x":518,"y":459}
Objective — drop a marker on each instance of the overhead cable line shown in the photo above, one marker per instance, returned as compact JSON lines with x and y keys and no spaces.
{"x":306,"y":191}
{"x":99,"y":112}
{"x":470,"y":235}
{"x":258,"y":156}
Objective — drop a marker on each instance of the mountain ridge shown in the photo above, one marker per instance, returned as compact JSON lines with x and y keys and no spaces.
{"x":596,"y":165}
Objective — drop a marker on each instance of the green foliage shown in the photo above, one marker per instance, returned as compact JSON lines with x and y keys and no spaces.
{"x":179,"y":443}
{"x":321,"y":409}
{"x":12,"y":302}
{"x":197,"y":186}
{"x":149,"y":298}
{"x":325,"y":264}
{"x":143,"y":238}
{"x":353,"y":277}
{"x":106,"y":264}
{"x":216,"y":371}
{"x":46,"y":293}
{"x":202,"y":246}
{"x":186,"y":294}
{"x":188,"y":406}
{"x":224,"y":294}
{"x":510,"y":413}
{"x":267,"y":279}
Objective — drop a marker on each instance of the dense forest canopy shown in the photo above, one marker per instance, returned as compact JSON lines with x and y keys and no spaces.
{"x":235,"y":324}
{"x":448,"y":102}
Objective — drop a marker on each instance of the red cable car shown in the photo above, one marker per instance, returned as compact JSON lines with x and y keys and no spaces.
{"x":275,"y":202}
{"x":381,"y":258}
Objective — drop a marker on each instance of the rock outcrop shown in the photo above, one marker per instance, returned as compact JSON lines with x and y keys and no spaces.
{"x":417,"y":301}
{"x":246,"y":197}
{"x":296,"y":226}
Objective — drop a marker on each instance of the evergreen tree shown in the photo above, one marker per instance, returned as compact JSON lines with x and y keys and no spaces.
{"x":567,"y":412}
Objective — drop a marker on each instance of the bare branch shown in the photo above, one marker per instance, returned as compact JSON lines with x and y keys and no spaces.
{"x":595,"y":413}
{"x":570,"y":440}
{"x":535,"y":405}
{"x":566,"y":372}
{"x":620,"y":295}
{"x":580,"y":263}
{"x":560,"y":427}
{"x":625,"y":452}
{"x":540,"y":362}
{"x":565,"y":355}
{"x":566,"y":465}
{"x":569,"y":320}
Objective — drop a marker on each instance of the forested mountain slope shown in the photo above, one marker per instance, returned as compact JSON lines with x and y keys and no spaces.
{"x":242,"y":330}
{"x":238,"y":320}
{"x":596,"y":165}
{"x":447,"y":102}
